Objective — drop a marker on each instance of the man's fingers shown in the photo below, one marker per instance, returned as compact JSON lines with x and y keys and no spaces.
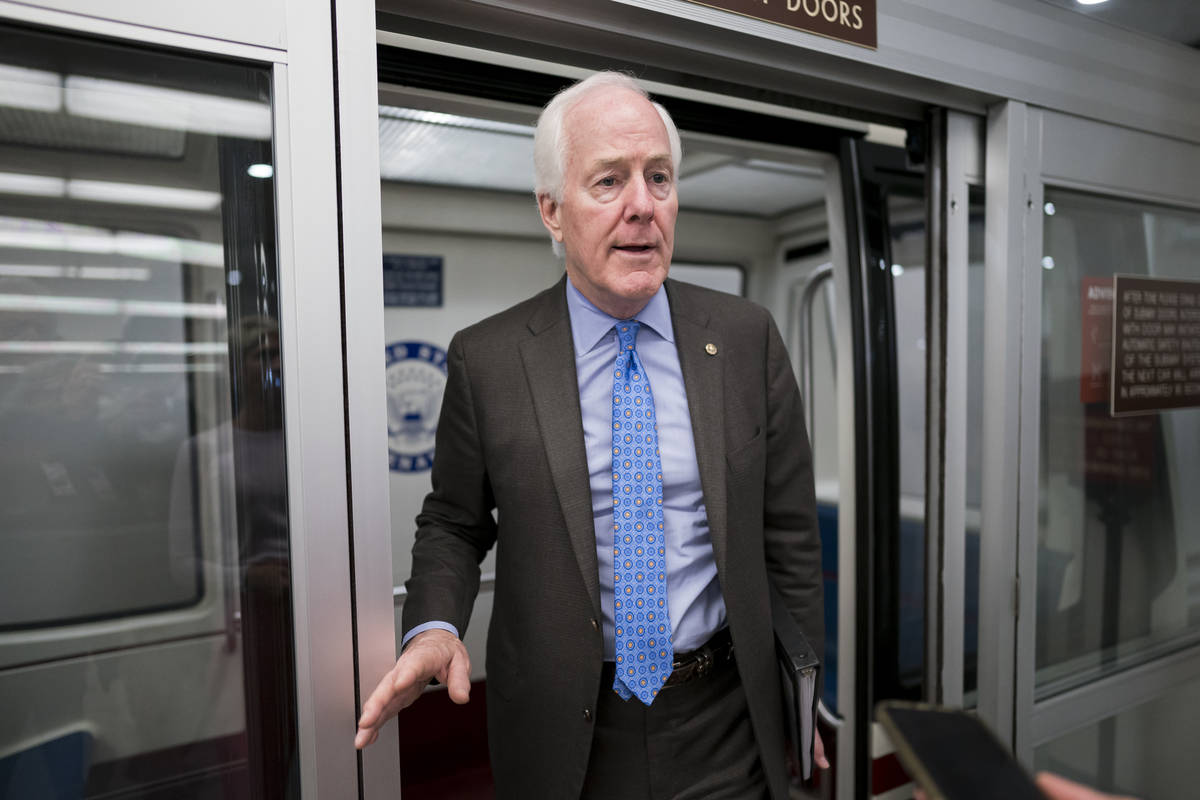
{"x":365,"y":738}
{"x":398,"y":689}
{"x":409,"y":674}
{"x":371,"y":708}
{"x":458,"y":678}
{"x":819,"y":751}
{"x":430,"y":654}
{"x":374,"y":713}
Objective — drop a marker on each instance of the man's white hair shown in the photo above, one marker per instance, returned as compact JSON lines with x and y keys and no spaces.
{"x":550,"y":145}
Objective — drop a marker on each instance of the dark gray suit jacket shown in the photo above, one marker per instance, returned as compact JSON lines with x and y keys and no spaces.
{"x":510,"y":439}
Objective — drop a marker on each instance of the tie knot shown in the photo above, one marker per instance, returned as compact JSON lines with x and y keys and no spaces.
{"x":627,"y":331}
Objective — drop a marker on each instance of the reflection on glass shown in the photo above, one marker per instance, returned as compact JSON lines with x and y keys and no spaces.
{"x":145,"y":621}
{"x":906,"y":215}
{"x":1118,"y":568}
{"x":974,"y":481}
{"x":1146,"y":751}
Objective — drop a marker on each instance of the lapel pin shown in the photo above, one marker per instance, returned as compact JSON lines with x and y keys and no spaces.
{"x":710,"y":348}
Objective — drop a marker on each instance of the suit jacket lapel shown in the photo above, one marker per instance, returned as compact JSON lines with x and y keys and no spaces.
{"x":704,"y":382}
{"x":549,"y":361}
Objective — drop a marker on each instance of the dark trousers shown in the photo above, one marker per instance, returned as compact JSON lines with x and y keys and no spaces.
{"x":694,"y":741}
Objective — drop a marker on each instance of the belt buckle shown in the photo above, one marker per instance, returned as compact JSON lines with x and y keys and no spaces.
{"x":705,"y":663}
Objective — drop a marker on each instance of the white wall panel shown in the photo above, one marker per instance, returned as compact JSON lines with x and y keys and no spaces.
{"x":1085,"y":155}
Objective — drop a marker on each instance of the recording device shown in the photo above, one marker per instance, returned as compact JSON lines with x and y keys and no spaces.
{"x":952,"y":755}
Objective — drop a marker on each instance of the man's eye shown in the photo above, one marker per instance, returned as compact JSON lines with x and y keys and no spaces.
{"x":660,"y":178}
{"x":609,"y":181}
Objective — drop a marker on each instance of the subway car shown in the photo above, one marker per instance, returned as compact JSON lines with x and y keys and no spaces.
{"x":236,"y":240}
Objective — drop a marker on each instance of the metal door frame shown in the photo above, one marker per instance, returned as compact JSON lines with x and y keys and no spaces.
{"x":956,"y":165}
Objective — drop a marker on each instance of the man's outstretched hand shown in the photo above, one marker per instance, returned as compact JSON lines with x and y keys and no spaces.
{"x":430,"y":654}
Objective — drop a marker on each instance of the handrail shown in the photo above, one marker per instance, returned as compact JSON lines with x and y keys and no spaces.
{"x":802,"y":313}
{"x":802,"y":318}
{"x":828,"y":717}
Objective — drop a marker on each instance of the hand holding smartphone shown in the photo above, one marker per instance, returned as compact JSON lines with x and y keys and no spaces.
{"x":953,"y":756}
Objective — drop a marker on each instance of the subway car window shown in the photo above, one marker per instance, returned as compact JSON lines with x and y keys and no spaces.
{"x":1119,"y":535}
{"x":145,"y":614}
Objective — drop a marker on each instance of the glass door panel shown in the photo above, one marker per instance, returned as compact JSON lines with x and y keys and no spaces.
{"x":906,"y":218}
{"x":1119,"y":520}
{"x":145,"y":612}
{"x":1126,"y":753}
{"x":973,"y":488}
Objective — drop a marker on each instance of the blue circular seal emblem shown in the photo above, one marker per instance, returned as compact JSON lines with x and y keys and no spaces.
{"x":416,"y":378}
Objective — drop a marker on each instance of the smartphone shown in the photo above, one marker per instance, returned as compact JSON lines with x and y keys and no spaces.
{"x":952,"y":755}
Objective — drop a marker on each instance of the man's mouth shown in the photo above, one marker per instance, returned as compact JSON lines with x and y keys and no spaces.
{"x":634,"y":248}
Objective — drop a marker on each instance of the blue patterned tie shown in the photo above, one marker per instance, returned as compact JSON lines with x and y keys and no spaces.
{"x":643,"y":625}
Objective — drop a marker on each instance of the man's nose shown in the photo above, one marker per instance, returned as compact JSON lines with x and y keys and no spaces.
{"x":639,"y":205}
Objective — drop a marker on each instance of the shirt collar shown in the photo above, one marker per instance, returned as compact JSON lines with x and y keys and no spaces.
{"x":589,"y":325}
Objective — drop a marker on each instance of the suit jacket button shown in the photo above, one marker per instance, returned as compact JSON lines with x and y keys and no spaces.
{"x":595,"y":625}
{"x":587,"y":715}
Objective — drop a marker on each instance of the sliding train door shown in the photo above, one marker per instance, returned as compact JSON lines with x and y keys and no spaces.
{"x":174,"y":568}
{"x":143,"y":488}
{"x":1091,"y":670}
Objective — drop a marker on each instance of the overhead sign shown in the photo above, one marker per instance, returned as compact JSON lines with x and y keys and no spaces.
{"x":1156,"y":344}
{"x":850,"y":21}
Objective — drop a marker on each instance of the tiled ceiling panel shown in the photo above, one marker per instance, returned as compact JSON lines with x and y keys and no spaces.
{"x":421,"y":147}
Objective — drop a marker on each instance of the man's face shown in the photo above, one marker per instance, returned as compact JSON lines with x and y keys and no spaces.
{"x":616,"y":219}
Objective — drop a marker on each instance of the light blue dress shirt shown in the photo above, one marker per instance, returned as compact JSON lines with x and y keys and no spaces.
{"x":693,"y":593}
{"x":694,"y":598}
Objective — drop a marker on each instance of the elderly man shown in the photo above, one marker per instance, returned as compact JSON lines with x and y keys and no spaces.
{"x":642,"y":444}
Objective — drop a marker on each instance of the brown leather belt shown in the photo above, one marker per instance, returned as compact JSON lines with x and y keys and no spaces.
{"x":700,"y":662}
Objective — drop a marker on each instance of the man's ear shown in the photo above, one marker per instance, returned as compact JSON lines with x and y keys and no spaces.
{"x":548,"y":207}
